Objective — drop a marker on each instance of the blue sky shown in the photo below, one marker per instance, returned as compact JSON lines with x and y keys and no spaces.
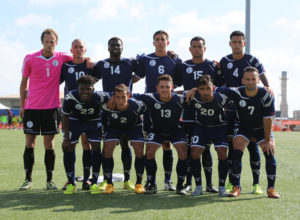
{"x":275,"y":30}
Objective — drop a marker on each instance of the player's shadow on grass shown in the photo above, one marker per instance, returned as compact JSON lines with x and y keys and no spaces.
{"x":121,"y":201}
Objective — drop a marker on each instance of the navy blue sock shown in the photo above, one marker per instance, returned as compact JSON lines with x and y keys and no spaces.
{"x":181,"y":172}
{"x":189,"y":174}
{"x":126,"y":157}
{"x":196,"y":171}
{"x":28,"y":158}
{"x":168,"y":164}
{"x":69,"y":162}
{"x":49,"y":163}
{"x":108,"y":166}
{"x":96,"y":163}
{"x":87,"y":164}
{"x":151,"y":168}
{"x":139,"y":169}
{"x":254,"y":161}
{"x":236,"y":167}
{"x":222,"y":168}
{"x":270,"y":169}
{"x":207,"y":165}
{"x":229,"y":160}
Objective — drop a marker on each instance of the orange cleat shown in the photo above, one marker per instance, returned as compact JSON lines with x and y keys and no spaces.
{"x":236,"y":191}
{"x":273,"y":194}
{"x":109,"y":189}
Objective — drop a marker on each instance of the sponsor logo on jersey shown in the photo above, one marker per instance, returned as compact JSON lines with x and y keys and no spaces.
{"x":189,"y":70}
{"x":242,"y":103}
{"x":198,"y":105}
{"x":78,"y":106}
{"x":229,"y":65}
{"x":106,"y":65}
{"x":29,"y":124}
{"x":157,"y":106}
{"x":71,"y":70}
{"x":55,"y":63}
{"x":152,"y":62}
{"x":114,"y":115}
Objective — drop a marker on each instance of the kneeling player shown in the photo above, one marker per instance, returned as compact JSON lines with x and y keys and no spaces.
{"x":210,"y":127}
{"x":165,"y":109}
{"x":81,"y":110}
{"x":124,"y":120}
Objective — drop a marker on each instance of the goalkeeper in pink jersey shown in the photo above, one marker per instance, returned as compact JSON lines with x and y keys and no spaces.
{"x":39,"y":108}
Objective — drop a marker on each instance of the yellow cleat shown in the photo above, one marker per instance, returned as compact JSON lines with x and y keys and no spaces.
{"x":70,"y":189}
{"x":95,"y":189}
{"x":128,"y":186}
{"x":139,"y":189}
{"x":109,"y":189}
{"x":103,"y":185}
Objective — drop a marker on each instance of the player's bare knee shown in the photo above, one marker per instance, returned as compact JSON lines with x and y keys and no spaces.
{"x":222,"y":153}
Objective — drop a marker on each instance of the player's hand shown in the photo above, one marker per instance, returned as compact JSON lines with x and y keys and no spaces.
{"x":270,"y":90}
{"x":111,"y":103}
{"x":172,"y":54}
{"x":268,"y":146}
{"x":190,"y":94}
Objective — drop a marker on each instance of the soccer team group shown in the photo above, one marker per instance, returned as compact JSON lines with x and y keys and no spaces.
{"x":221,"y":104}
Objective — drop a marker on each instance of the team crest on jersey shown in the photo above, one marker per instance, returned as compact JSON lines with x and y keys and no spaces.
{"x":189,"y":70}
{"x":229,"y":65}
{"x":106,"y":65}
{"x":78,"y":106}
{"x":29,"y":124}
{"x":71,"y":70}
{"x":242,"y":103}
{"x":157,"y":106}
{"x":114,"y":115}
{"x":152,"y":62}
{"x":55,"y":63}
{"x":198,"y":105}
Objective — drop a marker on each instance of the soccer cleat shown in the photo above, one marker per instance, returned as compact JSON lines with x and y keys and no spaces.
{"x":273,"y":194}
{"x":65,"y":186}
{"x":211,"y":189}
{"x":188,"y":187}
{"x":181,"y":190}
{"x":151,"y":189}
{"x":27,"y":185}
{"x":198,"y":191}
{"x":86,"y":185}
{"x":109,"y":189}
{"x":169,"y":186}
{"x":70,"y":189}
{"x":229,"y":187}
{"x":139,"y":189}
{"x":222,"y":192}
{"x":257,"y":189}
{"x":51,"y":185}
{"x":128,"y":186}
{"x":95,"y":189}
{"x":103,"y":185}
{"x":236,"y":191}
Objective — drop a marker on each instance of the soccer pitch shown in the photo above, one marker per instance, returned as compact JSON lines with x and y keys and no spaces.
{"x":41,"y":204}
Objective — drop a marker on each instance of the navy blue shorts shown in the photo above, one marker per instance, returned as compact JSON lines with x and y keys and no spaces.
{"x":93,"y":130}
{"x":134,"y":134}
{"x":177,"y":136}
{"x":248,"y":134}
{"x":230,"y":118}
{"x":209,"y":135}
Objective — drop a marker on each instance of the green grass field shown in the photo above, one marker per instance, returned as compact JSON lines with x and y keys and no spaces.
{"x":40,"y":204}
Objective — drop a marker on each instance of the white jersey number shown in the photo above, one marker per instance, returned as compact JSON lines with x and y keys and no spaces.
{"x":87,"y":111}
{"x":165,"y":113}
{"x":197,"y":74}
{"x":79,"y":74}
{"x":161,"y":69}
{"x":209,"y":112}
{"x":251,"y":109}
{"x":116,"y":70}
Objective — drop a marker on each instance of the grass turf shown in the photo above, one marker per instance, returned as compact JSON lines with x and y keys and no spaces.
{"x":41,"y":204}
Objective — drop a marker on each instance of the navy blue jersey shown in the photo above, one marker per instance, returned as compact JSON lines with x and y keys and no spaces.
{"x":151,"y":66}
{"x":250,"y":110}
{"x":71,"y":72}
{"x":210,"y":114}
{"x":77,"y":110}
{"x":164,"y":116}
{"x":187,"y":73}
{"x":231,"y":71}
{"x":126,"y":119}
{"x":114,"y":73}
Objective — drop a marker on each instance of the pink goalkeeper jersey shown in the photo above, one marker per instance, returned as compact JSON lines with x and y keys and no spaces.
{"x":44,"y":75}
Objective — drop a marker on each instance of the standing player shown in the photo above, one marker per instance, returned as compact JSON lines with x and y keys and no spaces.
{"x":165,"y":109}
{"x":114,"y":71}
{"x":70,"y":73}
{"x":40,"y":108}
{"x":124,"y":120}
{"x":81,"y":114}
{"x":231,"y":70}
{"x":255,"y":109}
{"x":187,"y":74}
{"x":151,"y":66}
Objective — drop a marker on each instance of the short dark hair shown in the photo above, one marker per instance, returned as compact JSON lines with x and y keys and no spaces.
{"x":165,"y":77}
{"x":161,"y":32}
{"x":237,"y":34}
{"x":204,"y":80}
{"x":121,"y":87}
{"x":49,"y":31}
{"x":114,"y":38}
{"x":197,"y":38}
{"x":250,"y":69}
{"x":87,"y":80}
